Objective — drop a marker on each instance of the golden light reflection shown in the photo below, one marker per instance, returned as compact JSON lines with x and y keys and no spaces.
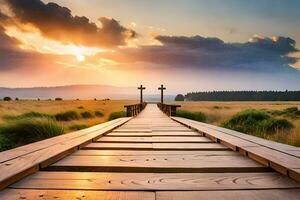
{"x":33,"y":40}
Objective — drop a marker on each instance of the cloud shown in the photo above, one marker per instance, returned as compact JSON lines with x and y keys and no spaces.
{"x":58,"y":23}
{"x":258,"y":54}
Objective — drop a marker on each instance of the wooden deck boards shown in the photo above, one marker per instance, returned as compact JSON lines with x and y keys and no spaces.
{"x":150,"y":157}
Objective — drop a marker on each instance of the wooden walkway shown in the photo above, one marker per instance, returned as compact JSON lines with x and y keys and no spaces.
{"x":151,"y":156}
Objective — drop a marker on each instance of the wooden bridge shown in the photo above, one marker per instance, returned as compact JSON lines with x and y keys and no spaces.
{"x":151,"y":156}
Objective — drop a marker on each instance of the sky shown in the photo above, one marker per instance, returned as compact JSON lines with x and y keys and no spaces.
{"x":192,"y":45}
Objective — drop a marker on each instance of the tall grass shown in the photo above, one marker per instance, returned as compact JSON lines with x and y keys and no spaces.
{"x":86,"y":115}
{"x":115,"y":115}
{"x":99,"y":114}
{"x":77,"y":126}
{"x":67,"y":116}
{"x":197,"y":116}
{"x":257,"y":123}
{"x":26,"y":115}
{"x":27,"y":130}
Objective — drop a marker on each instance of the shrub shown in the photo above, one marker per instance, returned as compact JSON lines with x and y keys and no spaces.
{"x":198,"y":116}
{"x":7,"y":99}
{"x":217,"y":107}
{"x":78,"y":126}
{"x":99,"y":114}
{"x":291,"y":112}
{"x":58,"y":99}
{"x":27,"y":115}
{"x":80,"y":107}
{"x":16,"y":99}
{"x":28,"y":130}
{"x":256,"y":122}
{"x":115,"y":115}
{"x":67,"y":116}
{"x":86,"y":115}
{"x":179,"y":97}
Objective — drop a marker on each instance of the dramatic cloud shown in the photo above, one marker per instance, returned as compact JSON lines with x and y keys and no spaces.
{"x":259,"y":53}
{"x":56,"y":22}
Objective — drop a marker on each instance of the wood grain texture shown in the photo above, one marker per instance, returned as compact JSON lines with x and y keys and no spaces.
{"x":155,"y":181}
{"x":158,"y":163}
{"x":288,"y":194}
{"x":151,"y":153}
{"x":13,"y":168}
{"x":19,"y":194}
{"x":280,"y":157}
{"x":153,"y":139}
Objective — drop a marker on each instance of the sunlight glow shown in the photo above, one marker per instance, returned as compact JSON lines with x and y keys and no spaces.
{"x":34,"y":41}
{"x":80,"y":57}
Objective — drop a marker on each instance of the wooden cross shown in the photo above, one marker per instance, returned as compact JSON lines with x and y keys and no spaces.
{"x":162,"y":88}
{"x":141,"y":88}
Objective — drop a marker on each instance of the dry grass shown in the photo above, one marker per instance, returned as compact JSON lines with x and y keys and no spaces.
{"x":54,"y":107}
{"x":218,"y":112}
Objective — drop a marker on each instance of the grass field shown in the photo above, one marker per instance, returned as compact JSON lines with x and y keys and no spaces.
{"x":219,"y":112}
{"x":54,"y":107}
{"x":27,"y":121}
{"x":21,"y":119}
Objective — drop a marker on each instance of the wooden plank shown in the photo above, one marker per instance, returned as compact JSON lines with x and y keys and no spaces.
{"x":152,"y":153}
{"x":149,"y":134}
{"x":155,"y":181}
{"x":291,"y":150}
{"x":14,"y":168}
{"x":269,"y":154}
{"x":291,"y":194}
{"x":295,"y":174}
{"x":158,"y":146}
{"x":175,"y":139}
{"x":189,"y":146}
{"x":158,"y":163}
{"x":27,"y":149}
{"x":132,"y":130}
{"x":129,"y":134}
{"x":279,"y":161}
{"x":13,"y":194}
{"x":118,"y":146}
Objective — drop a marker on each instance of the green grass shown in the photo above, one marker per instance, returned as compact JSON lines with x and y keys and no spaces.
{"x":78,"y":126}
{"x":67,"y":116}
{"x":115,"y":115}
{"x":26,"y":115}
{"x":292,"y":112}
{"x":256,"y":122}
{"x":27,"y":130}
{"x":99,"y":114}
{"x":197,"y":116}
{"x":86,"y":115}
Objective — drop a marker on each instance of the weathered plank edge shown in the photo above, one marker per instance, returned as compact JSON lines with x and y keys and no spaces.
{"x":36,"y":146}
{"x":245,"y":149}
{"x":14,"y":170}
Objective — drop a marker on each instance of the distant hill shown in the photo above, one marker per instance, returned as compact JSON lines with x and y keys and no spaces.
{"x":79,"y":92}
{"x":71,"y":92}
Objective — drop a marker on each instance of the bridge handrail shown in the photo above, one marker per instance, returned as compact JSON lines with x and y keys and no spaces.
{"x":168,"y":109}
{"x":134,"y":109}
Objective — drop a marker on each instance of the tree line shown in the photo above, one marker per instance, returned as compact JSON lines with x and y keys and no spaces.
{"x":243,"y":96}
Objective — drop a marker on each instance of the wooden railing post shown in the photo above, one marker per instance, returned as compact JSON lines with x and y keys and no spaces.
{"x":135,"y":109}
{"x":168,"y":109}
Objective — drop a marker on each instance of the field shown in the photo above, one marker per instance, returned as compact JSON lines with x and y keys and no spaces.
{"x":219,"y":112}
{"x":27,"y":121}
{"x":54,"y":107}
{"x":13,"y":113}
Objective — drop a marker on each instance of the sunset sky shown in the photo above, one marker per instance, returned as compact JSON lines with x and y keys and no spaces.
{"x":190,"y":45}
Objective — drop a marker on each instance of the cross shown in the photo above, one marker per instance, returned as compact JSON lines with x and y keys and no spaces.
{"x":162,"y":88}
{"x":141,"y":88}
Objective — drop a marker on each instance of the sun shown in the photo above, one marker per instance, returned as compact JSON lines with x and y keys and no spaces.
{"x":80,"y":57}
